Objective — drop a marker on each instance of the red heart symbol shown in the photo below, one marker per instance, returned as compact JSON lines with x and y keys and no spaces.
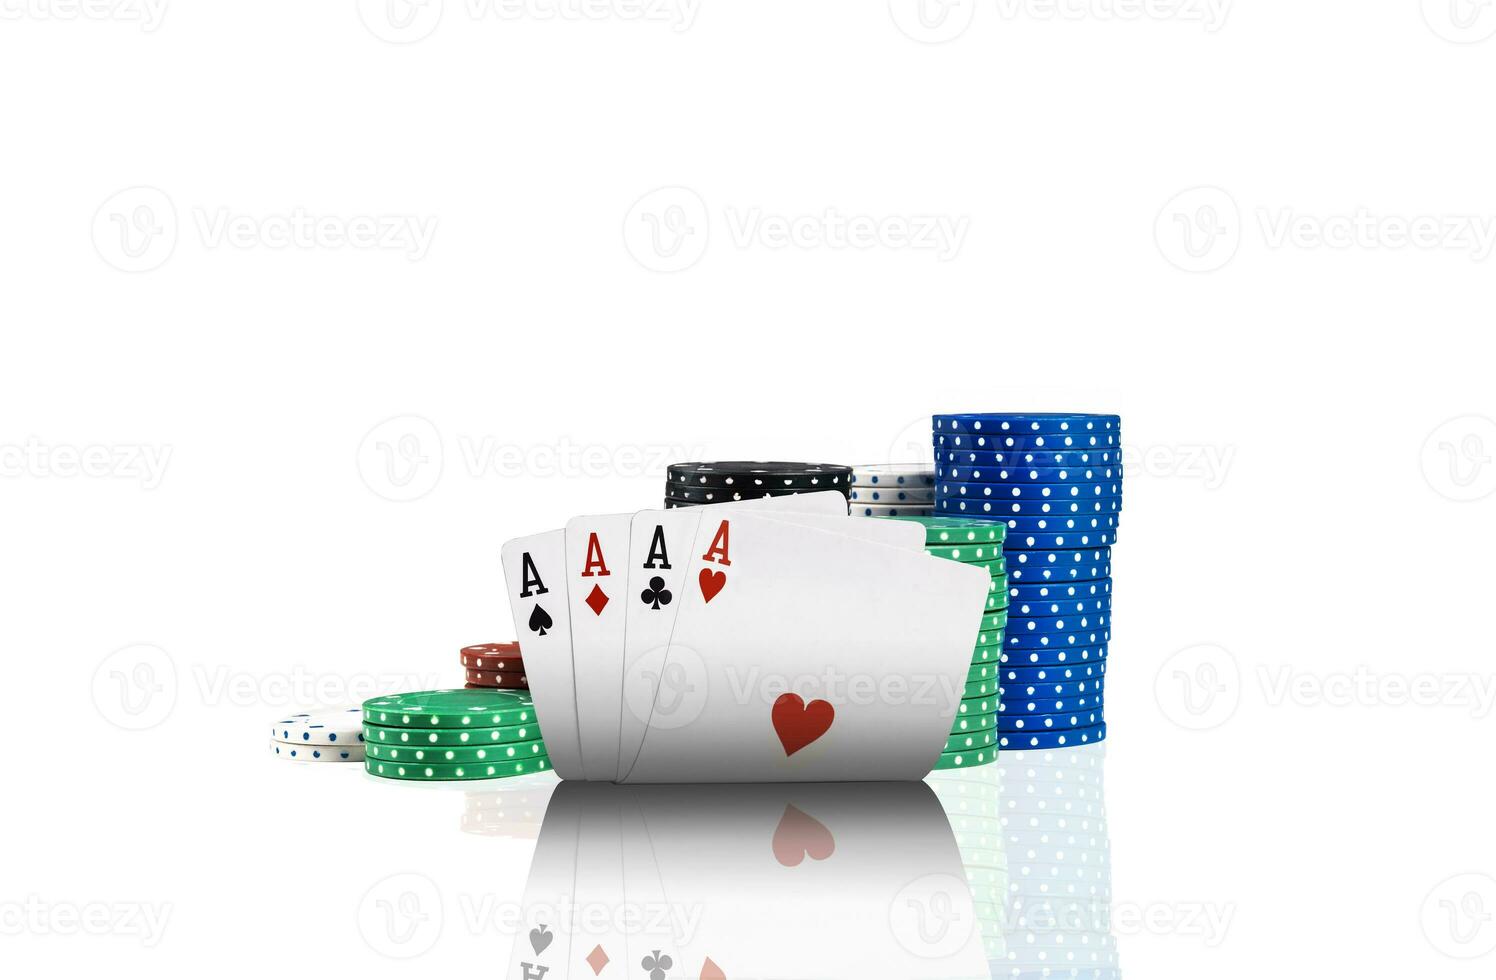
{"x":711,"y":583}
{"x":799,"y":834}
{"x":798,"y":724}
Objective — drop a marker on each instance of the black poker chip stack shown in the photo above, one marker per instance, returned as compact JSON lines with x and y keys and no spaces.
{"x":693,"y":484}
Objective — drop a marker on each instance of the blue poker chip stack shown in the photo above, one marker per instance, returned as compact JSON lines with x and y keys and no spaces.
{"x":1055,"y":480}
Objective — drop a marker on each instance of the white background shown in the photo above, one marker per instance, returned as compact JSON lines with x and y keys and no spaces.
{"x":1254,"y":230}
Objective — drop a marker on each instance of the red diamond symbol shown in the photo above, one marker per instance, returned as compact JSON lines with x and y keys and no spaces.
{"x":596,"y":599}
{"x":597,"y":959}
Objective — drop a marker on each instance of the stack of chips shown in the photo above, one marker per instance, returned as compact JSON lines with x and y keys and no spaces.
{"x":1055,"y":482}
{"x":690,"y":484}
{"x":452,"y":735}
{"x":973,"y":806}
{"x":494,"y":665}
{"x":893,"y":490}
{"x":334,"y":735}
{"x":974,"y":736}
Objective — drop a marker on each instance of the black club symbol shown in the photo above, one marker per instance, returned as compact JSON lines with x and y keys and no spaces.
{"x":656,"y":596}
{"x":658,"y":963}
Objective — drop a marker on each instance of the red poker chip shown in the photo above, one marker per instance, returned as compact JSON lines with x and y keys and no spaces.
{"x":510,"y":649}
{"x":507,"y":664}
{"x":511,"y":680}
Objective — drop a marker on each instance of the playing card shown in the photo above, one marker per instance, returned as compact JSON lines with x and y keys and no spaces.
{"x":544,"y":942}
{"x":799,"y":654}
{"x":533,"y":576}
{"x":597,"y":551}
{"x":658,"y":555}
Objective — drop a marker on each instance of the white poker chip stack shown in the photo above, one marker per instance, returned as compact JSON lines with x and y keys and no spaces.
{"x":892,"y":490}
{"x":330,"y":735}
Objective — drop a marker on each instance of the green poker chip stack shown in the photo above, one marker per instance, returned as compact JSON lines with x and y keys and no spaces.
{"x":977,"y":543}
{"x":464,"y":734}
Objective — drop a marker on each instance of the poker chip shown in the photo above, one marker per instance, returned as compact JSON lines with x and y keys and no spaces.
{"x":893,"y":475}
{"x":972,"y":553}
{"x":993,"y":441}
{"x":1052,"y":657}
{"x":458,"y":771}
{"x":1046,"y":641}
{"x":431,"y":737}
{"x":1042,"y":458}
{"x":978,"y":739}
{"x":996,"y":600}
{"x":1056,"y":624}
{"x":979,"y":688}
{"x":976,"y":505}
{"x":1019,"y":474}
{"x":1059,"y":540}
{"x":1021,"y":525}
{"x":973,"y":723}
{"x":994,"y":620}
{"x":451,"y":709}
{"x":995,"y":565}
{"x":988,"y":654}
{"x":941,"y":530}
{"x":749,"y":474}
{"x":1048,"y":706}
{"x":966,"y":760}
{"x":1028,"y":559}
{"x":890,"y":510}
{"x":1051,"y":739}
{"x":1044,"y":609}
{"x":993,"y":637}
{"x":455,"y":754}
{"x":1045,"y":723}
{"x":981,"y":671}
{"x":1073,"y":573}
{"x":504,"y":657}
{"x":494,"y":678}
{"x":976,"y":706}
{"x":327,"y":727}
{"x":1053,"y":423}
{"x":893,"y":495}
{"x":1062,"y":493}
{"x":353,"y":751}
{"x":717,"y":495}
{"x":1038,"y":675}
{"x":1041,"y":591}
{"x":1008,"y":690}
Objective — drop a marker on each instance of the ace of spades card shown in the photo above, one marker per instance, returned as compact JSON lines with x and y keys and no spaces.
{"x":809,"y":655}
